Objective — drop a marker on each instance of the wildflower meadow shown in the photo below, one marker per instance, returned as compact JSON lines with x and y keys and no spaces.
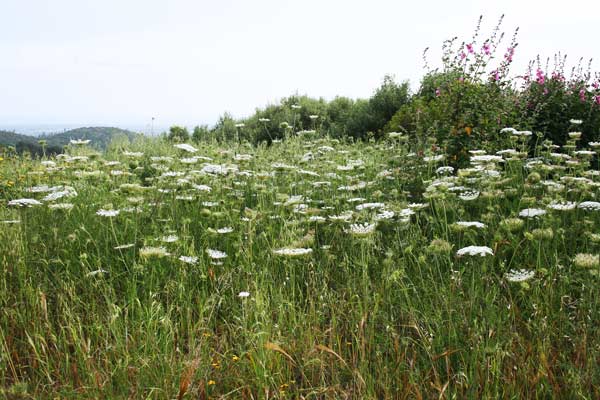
{"x":400,"y":265}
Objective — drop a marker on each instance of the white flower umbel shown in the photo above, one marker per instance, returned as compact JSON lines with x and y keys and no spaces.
{"x":107,"y":213}
{"x":188,"y":259}
{"x":475,"y":251}
{"x":243,"y":294}
{"x":292,"y":252}
{"x":469,"y":224}
{"x":564,"y":206}
{"x":186,"y":147}
{"x":589,"y":205}
{"x":169,"y":239}
{"x":520,"y":275}
{"x":149,"y":251}
{"x":24,"y":203}
{"x":216,"y":254}
{"x":361,"y":229}
{"x":532,"y":212}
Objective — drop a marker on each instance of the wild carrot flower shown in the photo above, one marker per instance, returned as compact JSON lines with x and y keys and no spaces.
{"x":520,"y":275}
{"x":481,"y":251}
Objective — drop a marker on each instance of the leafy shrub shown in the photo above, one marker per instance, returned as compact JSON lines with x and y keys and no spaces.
{"x":467,"y":102}
{"x":178,"y":134}
{"x":550,"y":100}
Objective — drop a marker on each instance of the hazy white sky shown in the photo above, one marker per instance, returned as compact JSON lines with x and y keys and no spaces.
{"x":123,"y":61}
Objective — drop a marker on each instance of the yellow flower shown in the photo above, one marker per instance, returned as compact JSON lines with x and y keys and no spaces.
{"x":235,"y":358}
{"x":211,"y":382}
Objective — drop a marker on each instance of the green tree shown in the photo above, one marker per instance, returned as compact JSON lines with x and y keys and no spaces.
{"x":178,"y":134}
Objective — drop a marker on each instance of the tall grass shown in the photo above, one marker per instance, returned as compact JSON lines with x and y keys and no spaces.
{"x":392,"y":313}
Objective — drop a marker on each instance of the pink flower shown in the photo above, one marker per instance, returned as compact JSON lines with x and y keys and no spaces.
{"x":541,"y":78}
{"x":597,"y":99}
{"x":595,"y":85}
{"x":461,"y":79}
{"x":470,"y":48}
{"x":546,"y":91}
{"x":582,"y":94}
{"x":462,"y":55}
{"x":510,"y":52}
{"x":486,"y":49}
{"x":438,"y":93}
{"x":496,"y":74}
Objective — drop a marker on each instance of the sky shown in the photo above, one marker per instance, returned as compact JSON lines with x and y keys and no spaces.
{"x":123,"y":62}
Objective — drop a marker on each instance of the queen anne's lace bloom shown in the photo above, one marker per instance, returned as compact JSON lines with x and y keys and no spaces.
{"x":24,"y":203}
{"x":520,"y":275}
{"x":292,"y":252}
{"x":475,"y":251}
{"x":532,"y":212}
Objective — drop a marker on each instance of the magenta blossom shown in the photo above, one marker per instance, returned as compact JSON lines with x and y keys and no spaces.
{"x":496,"y":75}
{"x":470,"y":48}
{"x":597,"y":99}
{"x":546,"y":91}
{"x":541,"y":78}
{"x":510,"y":52}
{"x":462,"y":55}
{"x":582,"y":94}
{"x":486,"y":49}
{"x":438,"y":93}
{"x":595,"y":85}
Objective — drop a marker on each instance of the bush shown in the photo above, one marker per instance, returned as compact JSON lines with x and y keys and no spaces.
{"x":549,"y":101}
{"x":466,"y":103}
{"x":178,"y":134}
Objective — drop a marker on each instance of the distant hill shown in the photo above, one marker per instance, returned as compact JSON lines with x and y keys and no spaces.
{"x":11,"y":139}
{"x":99,"y":137}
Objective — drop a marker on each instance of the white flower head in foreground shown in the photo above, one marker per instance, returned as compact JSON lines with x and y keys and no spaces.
{"x":469,"y":224}
{"x":243,"y":294}
{"x":186,"y":147}
{"x":520,"y":275}
{"x":67,"y":192}
{"x":589,"y":205}
{"x":576,"y":121}
{"x":216,"y":254}
{"x":564,"y":206}
{"x":369,"y":206}
{"x":169,"y":239}
{"x":292,"y":252}
{"x":24,"y":203}
{"x":444,"y":170}
{"x":385,"y":215}
{"x":188,"y":259}
{"x":225,"y":230}
{"x":134,"y":154}
{"x":469,"y":195}
{"x":362,"y":229}
{"x":107,"y":213}
{"x":532,"y":212}
{"x":475,"y":251}
{"x":148,"y":251}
